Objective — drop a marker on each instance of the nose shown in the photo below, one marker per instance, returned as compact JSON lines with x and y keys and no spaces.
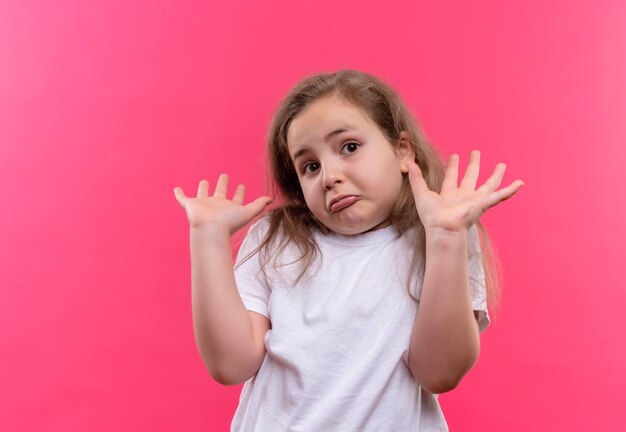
{"x":331,"y":175}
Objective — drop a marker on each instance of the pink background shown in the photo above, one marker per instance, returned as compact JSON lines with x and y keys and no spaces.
{"x":104,"y":109}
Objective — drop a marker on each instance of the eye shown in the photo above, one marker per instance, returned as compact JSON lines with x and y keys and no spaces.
{"x":349,"y":147}
{"x":310,"y":167}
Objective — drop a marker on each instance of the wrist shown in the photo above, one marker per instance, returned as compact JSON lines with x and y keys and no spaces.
{"x":210,"y":231}
{"x":445,"y":239}
{"x":442,"y":232}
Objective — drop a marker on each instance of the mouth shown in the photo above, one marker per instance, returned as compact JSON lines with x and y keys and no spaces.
{"x":340,"y":202}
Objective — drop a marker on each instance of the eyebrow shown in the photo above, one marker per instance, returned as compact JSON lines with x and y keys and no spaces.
{"x":328,"y":137}
{"x":335,"y":133}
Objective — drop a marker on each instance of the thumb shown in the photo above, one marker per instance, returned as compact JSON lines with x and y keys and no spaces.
{"x":258,"y":205}
{"x":180,"y":196}
{"x":416,"y":179}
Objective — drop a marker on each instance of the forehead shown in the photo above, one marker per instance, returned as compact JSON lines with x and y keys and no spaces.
{"x":323,"y":117}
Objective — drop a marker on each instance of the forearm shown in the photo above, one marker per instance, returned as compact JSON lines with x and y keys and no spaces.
{"x":445,"y":340}
{"x":222,"y":325}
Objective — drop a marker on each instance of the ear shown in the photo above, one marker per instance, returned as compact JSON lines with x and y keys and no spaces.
{"x":404,"y":151}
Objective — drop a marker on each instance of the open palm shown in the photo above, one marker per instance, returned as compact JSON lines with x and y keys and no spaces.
{"x":217,"y":211}
{"x":457,"y":208}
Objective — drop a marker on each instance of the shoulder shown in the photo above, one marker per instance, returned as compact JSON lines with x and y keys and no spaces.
{"x":259,"y":227}
{"x":265,"y":230}
{"x":250,"y":239}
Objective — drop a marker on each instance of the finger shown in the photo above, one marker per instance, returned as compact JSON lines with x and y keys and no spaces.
{"x":416,"y":179}
{"x":222,"y":186}
{"x":257,"y":206}
{"x":240,"y":193}
{"x":180,"y":196}
{"x":504,"y":193}
{"x":451,"y":176}
{"x":203,"y":188}
{"x":494,"y":181}
{"x":471,"y":173}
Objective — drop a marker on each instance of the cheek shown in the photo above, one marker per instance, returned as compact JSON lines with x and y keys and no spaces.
{"x":394,"y":184}
{"x":310,"y":192}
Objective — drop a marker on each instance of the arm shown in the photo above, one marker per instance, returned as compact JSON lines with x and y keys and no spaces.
{"x":223,"y":328}
{"x":445,"y":331}
{"x":445,"y":341}
{"x":229,"y":338}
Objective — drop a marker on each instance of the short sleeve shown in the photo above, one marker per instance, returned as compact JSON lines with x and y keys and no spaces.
{"x":477,"y":279}
{"x":251,"y":282}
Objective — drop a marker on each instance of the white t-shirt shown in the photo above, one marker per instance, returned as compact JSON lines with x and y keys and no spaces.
{"x":337,"y":350}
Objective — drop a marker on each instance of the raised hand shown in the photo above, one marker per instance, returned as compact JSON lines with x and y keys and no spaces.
{"x":217,"y":211}
{"x":456,"y":209}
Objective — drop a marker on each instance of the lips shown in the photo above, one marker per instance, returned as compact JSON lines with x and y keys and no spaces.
{"x":341,"y":202}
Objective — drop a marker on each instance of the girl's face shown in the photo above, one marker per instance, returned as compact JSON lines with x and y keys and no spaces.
{"x":349,"y":172}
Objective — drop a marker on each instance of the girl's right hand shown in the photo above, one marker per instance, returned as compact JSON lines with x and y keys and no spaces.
{"x":217,"y":211}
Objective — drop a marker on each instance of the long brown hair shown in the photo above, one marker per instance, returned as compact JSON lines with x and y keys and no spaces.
{"x":292,"y":221}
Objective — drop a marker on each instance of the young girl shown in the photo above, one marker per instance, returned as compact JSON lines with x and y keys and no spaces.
{"x":359,"y":298}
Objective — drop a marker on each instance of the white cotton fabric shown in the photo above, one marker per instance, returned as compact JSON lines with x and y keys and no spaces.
{"x":338,"y":347}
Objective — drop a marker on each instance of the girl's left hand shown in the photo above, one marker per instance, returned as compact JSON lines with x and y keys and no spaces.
{"x":456,"y":209}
